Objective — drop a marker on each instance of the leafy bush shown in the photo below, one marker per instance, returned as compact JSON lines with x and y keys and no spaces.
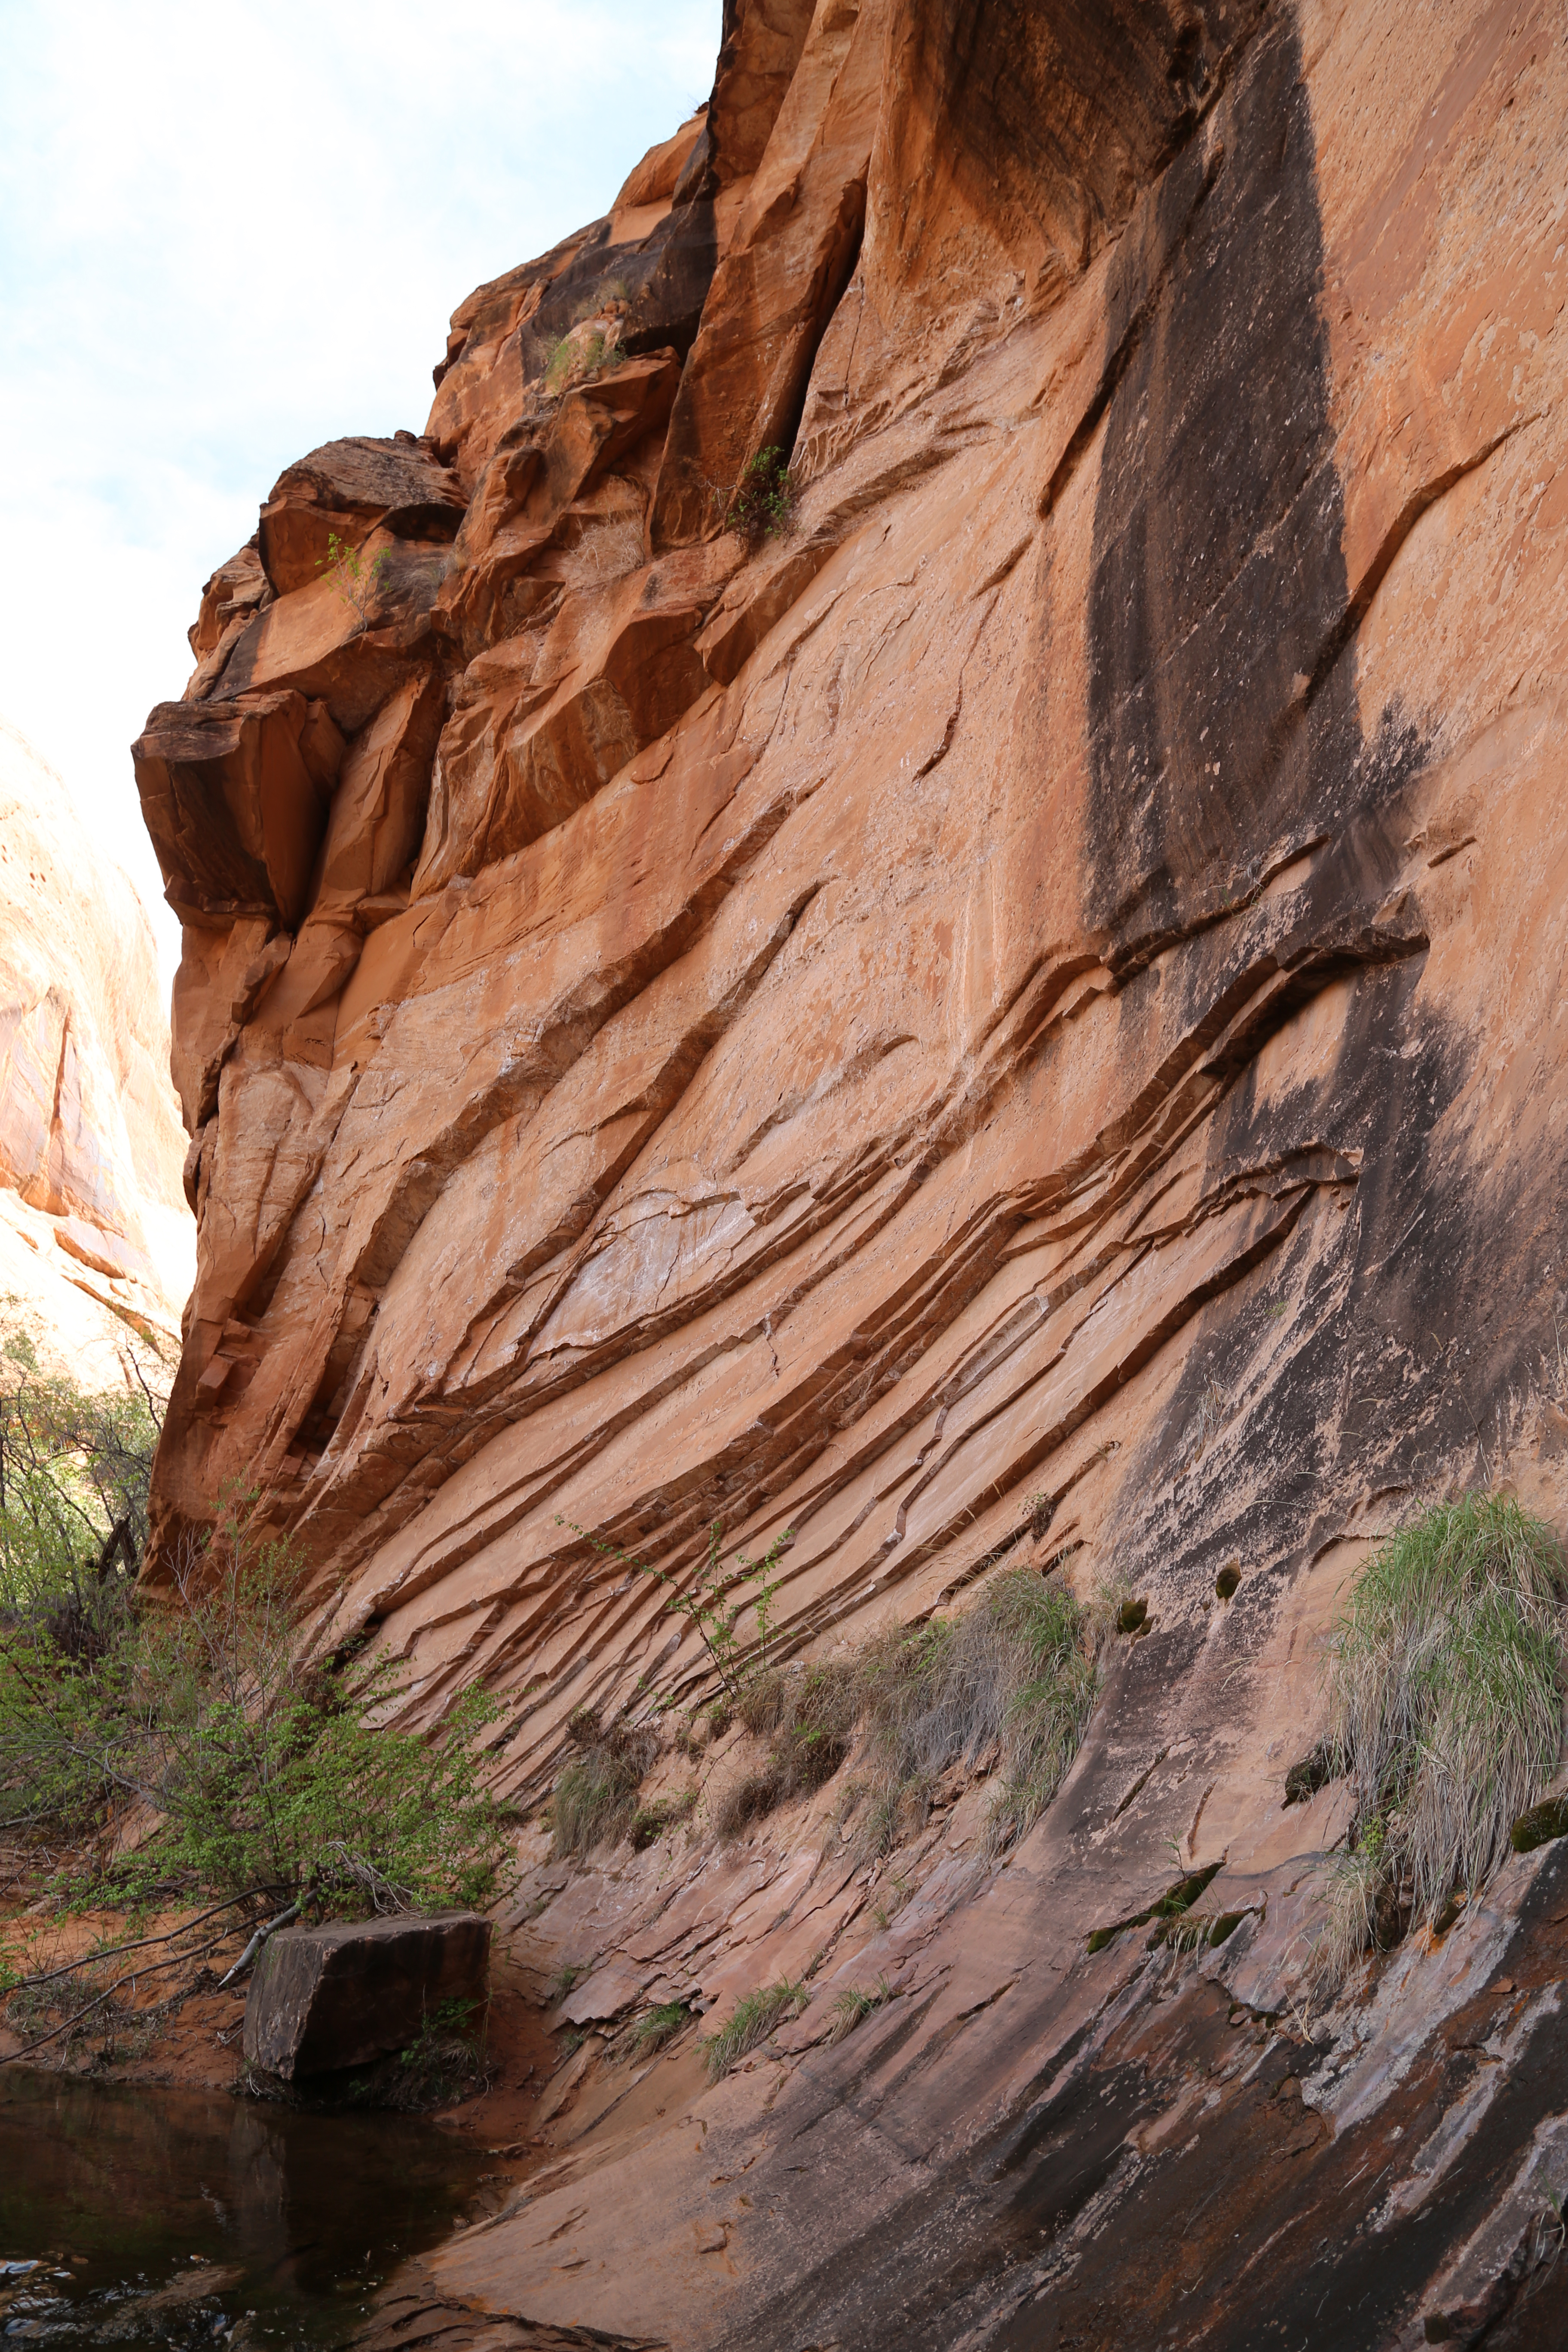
{"x":75,"y":1469}
{"x":752,"y":2020}
{"x":763,"y":501}
{"x":1445,"y":1689}
{"x":260,"y":1767}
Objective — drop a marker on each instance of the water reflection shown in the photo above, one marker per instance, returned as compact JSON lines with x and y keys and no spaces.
{"x":108,"y":2193}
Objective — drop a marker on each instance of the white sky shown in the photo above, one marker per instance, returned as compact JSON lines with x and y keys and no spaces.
{"x":228,"y":234}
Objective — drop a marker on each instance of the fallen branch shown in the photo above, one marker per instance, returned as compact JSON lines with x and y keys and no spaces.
{"x":108,"y":1994}
{"x":142,"y":1943}
{"x":268,"y":1928}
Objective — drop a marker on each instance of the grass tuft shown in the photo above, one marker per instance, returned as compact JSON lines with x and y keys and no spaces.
{"x":751,"y":2022}
{"x":853,"y":2005}
{"x":595,"y":1799}
{"x":1016,"y":1674}
{"x":656,"y":2026}
{"x":1445,"y":1689}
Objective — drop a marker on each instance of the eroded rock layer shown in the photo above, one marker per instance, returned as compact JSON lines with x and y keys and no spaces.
{"x":1015,"y":1021}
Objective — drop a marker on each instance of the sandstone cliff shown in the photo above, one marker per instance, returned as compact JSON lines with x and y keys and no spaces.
{"x":95,"y":1237}
{"x":1015,"y":1021}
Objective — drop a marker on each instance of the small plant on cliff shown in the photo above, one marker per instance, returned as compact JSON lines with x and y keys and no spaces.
{"x":1445,"y":1694}
{"x":808,"y":1712}
{"x":751,"y":2022}
{"x":656,"y":2026}
{"x":357,"y":579}
{"x":763,"y":502}
{"x":578,"y":355}
{"x":594,"y":1800}
{"x":1016,"y":1674}
{"x":714,"y":1601}
{"x":853,"y":2005}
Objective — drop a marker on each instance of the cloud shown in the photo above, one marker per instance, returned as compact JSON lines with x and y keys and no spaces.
{"x":229,"y":235}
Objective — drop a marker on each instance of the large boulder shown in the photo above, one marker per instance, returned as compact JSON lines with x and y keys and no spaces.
{"x":340,"y":1995}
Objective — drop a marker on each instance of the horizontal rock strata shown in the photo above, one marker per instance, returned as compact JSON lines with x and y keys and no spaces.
{"x":1014,"y":1022}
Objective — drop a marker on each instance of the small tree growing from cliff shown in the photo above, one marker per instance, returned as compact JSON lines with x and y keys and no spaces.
{"x":708,"y":1599}
{"x":357,"y":579}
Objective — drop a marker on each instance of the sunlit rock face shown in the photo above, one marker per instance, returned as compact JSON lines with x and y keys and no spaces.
{"x":1017,"y":1021}
{"x":96,"y":1241}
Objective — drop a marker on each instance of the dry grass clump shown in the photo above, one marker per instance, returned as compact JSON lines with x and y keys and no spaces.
{"x":752,"y":2020}
{"x":810,"y":1713}
{"x":594,"y":1800}
{"x":1016,"y":1674}
{"x":1011,"y":1682}
{"x":1445,"y":1685}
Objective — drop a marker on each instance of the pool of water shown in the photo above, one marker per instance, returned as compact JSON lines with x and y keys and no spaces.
{"x":106,"y":2193}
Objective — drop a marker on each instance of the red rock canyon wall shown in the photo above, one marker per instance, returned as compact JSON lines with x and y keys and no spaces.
{"x":1020,"y":1021}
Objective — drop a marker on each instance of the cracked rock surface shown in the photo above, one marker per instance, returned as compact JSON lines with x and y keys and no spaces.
{"x":1017,"y":1022}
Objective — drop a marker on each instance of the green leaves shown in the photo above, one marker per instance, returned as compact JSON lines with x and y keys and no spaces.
{"x":262,"y":1766}
{"x":751,"y":2022}
{"x":357,"y":579}
{"x":764,"y":498}
{"x":74,"y":1464}
{"x":707,"y":1599}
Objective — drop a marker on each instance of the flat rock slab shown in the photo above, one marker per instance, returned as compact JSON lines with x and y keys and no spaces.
{"x":326,"y":1998}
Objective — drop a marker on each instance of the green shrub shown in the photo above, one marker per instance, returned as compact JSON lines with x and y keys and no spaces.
{"x":1444,"y":1692}
{"x":75,"y":1469}
{"x":264,"y":1768}
{"x":763,"y":502}
{"x":752,"y":2020}
{"x":357,"y":580}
